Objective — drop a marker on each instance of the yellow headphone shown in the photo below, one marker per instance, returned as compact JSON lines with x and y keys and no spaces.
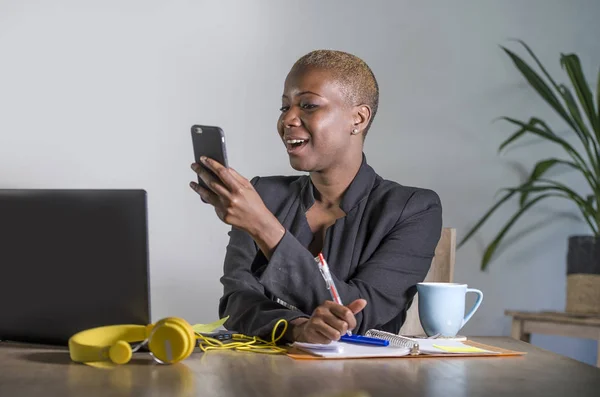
{"x":169,"y":340}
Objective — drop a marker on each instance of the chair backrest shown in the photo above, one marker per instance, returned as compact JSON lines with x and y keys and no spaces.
{"x":441,"y":270}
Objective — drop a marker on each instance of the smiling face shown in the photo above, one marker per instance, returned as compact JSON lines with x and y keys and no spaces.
{"x":317,"y":121}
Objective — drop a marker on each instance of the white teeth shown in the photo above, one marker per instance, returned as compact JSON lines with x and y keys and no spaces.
{"x":292,"y":141}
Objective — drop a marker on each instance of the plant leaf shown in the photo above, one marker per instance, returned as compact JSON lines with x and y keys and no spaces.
{"x":598,"y":97}
{"x":562,"y":186}
{"x":484,"y":218}
{"x":582,"y":131}
{"x":586,"y":137}
{"x":537,"y":61}
{"x":551,"y":136}
{"x":548,"y":134}
{"x":539,"y":85}
{"x":520,"y":132}
{"x":538,"y":170}
{"x":591,"y":199}
{"x":586,"y":210}
{"x":571,"y":64}
{"x":494,"y":244}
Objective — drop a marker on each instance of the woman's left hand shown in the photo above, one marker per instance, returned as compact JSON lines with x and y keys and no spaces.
{"x":236,"y":201}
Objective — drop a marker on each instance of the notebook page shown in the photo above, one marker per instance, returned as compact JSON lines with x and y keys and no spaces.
{"x":352,"y":350}
{"x":333,"y":346}
{"x":441,"y":346}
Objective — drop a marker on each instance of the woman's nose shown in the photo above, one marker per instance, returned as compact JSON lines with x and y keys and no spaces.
{"x":290,"y":119}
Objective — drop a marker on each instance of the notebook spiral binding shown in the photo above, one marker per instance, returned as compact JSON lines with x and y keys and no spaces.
{"x":395,"y":340}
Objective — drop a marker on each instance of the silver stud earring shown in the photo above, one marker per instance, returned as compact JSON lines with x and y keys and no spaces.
{"x":354,"y":131}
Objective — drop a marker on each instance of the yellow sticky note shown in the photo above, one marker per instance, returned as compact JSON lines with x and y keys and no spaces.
{"x":460,"y":349}
{"x":204,"y":328}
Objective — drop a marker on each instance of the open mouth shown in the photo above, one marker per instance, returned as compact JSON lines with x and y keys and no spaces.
{"x":294,"y":145}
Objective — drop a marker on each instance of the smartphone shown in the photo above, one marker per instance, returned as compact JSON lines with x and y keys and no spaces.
{"x":208,"y":141}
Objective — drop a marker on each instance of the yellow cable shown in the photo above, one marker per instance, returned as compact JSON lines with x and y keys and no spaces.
{"x":247,"y":343}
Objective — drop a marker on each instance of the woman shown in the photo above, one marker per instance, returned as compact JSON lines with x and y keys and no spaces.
{"x":377,"y":236}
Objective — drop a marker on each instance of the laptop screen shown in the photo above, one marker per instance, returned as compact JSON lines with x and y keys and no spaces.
{"x":71,"y":260}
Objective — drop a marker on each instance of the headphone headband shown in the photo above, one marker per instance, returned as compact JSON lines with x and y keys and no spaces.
{"x":170,"y":340}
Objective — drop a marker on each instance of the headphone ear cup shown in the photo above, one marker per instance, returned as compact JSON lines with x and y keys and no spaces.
{"x":120,"y":352}
{"x":172,"y":340}
{"x":191,"y":335}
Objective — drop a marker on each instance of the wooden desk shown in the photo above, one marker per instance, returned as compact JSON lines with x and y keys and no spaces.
{"x":554,"y":323}
{"x":45,"y":371}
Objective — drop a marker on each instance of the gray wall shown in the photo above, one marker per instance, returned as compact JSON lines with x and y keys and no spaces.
{"x":102,"y":94}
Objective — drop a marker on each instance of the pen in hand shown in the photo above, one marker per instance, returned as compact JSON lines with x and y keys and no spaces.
{"x":335,"y":296}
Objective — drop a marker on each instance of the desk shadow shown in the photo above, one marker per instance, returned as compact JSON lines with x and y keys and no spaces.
{"x":63,"y":358}
{"x":48,"y":357}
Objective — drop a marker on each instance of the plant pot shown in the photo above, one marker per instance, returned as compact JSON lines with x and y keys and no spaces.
{"x":583,"y":275}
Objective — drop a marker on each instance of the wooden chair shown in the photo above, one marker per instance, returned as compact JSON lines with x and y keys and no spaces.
{"x":441,"y":270}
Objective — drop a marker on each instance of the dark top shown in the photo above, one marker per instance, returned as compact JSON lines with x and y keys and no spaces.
{"x":379,"y":251}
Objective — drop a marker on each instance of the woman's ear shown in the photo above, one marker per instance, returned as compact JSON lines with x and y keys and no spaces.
{"x":362,"y":116}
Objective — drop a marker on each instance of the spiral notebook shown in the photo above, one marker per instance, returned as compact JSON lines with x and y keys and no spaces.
{"x":399,"y":346}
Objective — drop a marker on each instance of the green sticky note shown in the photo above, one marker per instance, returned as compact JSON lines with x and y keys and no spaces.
{"x":460,"y":349}
{"x":204,"y":328}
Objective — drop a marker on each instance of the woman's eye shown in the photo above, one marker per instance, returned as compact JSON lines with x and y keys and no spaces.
{"x":284,"y":108}
{"x":308,"y":106}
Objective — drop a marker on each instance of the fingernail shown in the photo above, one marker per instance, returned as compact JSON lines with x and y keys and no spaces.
{"x":194,"y":166}
{"x":203,"y":159}
{"x":192,"y":184}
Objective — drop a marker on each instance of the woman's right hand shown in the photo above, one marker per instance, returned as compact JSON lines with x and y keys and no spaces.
{"x":328,"y":322}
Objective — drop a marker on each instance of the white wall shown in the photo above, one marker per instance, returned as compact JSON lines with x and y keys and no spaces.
{"x":102,"y":94}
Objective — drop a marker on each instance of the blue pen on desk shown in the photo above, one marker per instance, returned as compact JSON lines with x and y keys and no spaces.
{"x":329,"y":282}
{"x":364,"y":340}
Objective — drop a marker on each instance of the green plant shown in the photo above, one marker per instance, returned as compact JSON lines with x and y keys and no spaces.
{"x":585,"y":159}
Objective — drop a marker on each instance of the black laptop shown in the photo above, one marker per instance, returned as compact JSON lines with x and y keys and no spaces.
{"x":71,"y":260}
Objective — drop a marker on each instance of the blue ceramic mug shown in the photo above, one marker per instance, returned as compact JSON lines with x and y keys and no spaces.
{"x":442,"y":307}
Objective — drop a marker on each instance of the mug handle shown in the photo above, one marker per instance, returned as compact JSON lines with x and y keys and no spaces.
{"x":475,"y":306}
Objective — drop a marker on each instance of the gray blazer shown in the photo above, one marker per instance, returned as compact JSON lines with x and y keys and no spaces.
{"x":379,"y":251}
